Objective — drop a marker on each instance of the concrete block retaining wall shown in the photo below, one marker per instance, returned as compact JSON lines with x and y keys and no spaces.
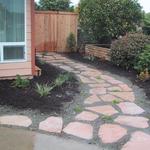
{"x":100,"y":52}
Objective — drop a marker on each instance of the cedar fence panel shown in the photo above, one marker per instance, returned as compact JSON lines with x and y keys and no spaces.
{"x":52,"y":30}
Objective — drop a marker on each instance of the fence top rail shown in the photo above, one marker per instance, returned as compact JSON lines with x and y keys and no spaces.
{"x":56,"y":12}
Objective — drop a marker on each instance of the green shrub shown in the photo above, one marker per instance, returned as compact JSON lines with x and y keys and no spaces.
{"x":43,"y":89}
{"x":143,"y":61}
{"x":71,"y":42}
{"x":125,"y":51}
{"x":20,"y":82}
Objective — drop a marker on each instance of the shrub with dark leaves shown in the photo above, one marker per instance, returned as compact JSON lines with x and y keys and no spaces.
{"x":126,"y":50}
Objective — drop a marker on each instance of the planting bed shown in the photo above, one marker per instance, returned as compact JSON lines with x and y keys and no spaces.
{"x":28,"y":98}
{"x":108,"y":66}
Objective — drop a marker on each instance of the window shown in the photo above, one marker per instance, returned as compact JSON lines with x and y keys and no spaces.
{"x":12,"y":30}
{"x":13,"y":52}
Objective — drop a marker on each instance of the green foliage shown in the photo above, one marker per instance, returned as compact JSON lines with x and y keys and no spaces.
{"x":71,"y":42}
{"x":126,"y":50}
{"x":106,"y":118}
{"x":78,"y":109}
{"x":146,"y":27}
{"x":55,"y":5}
{"x":44,"y":54}
{"x":102,"y":20}
{"x":43,"y":89}
{"x":143,"y":61}
{"x":115,"y":101}
{"x":20,"y":82}
{"x":98,"y":78}
{"x":61,"y":79}
{"x":91,"y":58}
{"x":42,"y":62}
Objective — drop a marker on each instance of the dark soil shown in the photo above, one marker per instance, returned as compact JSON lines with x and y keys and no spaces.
{"x":108,"y":66}
{"x":24,"y":99}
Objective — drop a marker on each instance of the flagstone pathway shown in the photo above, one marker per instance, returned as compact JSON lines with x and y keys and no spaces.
{"x":109,"y":112}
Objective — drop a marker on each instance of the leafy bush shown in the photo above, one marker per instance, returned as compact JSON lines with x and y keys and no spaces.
{"x":71,"y":42}
{"x":43,"y":89}
{"x":143,"y":61}
{"x":146,"y":27}
{"x":101,"y":21}
{"x":125,"y":51}
{"x":20,"y":83}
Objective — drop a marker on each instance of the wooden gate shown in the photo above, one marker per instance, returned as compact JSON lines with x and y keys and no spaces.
{"x":52,"y":30}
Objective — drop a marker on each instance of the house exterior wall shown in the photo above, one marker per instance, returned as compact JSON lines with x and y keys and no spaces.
{"x":26,"y":68}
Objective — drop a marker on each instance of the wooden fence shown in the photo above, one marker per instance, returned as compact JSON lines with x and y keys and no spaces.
{"x":52,"y":30}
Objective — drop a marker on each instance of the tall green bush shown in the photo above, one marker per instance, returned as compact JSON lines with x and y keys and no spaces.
{"x":125,"y":51}
{"x":143,"y":61}
{"x":103,"y":20}
{"x":55,"y":5}
{"x":146,"y":27}
{"x":71,"y":42}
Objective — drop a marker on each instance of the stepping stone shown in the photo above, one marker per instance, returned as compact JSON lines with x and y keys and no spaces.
{"x":100,"y":85}
{"x":139,"y":141}
{"x":98,"y":81}
{"x":92,"y":99}
{"x":98,"y":91}
{"x":85,"y":79}
{"x":67,"y":68}
{"x":91,"y":73}
{"x":52,"y":124}
{"x":128,"y":96}
{"x":130,"y":108}
{"x":80,"y":130}
{"x":105,"y":110}
{"x":110,"y":79}
{"x":108,"y":98}
{"x":86,"y":116}
{"x":110,"y":133}
{"x":16,"y":120}
{"x":125,"y":88}
{"x":114,"y":89}
{"x":137,"y":122}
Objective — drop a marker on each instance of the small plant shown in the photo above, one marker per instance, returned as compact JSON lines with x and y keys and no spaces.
{"x":106,"y":118}
{"x":61,"y":79}
{"x":78,"y":109}
{"x":83,"y":93}
{"x":71,"y":42}
{"x":91,"y":58}
{"x":143,"y":64}
{"x":115,"y":101}
{"x":43,"y":89}
{"x":42,"y":62}
{"x":115,"y":90}
{"x":144,"y":75}
{"x":98,"y":78}
{"x":44,"y":53}
{"x":20,"y":82}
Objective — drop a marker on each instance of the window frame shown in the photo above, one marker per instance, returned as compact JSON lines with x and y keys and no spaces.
{"x":24,"y":43}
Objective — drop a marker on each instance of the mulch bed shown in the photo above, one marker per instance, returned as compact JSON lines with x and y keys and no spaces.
{"x":108,"y":66}
{"x":24,"y":99}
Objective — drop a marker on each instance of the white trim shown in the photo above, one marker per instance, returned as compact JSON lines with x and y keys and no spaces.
{"x":2,"y":44}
